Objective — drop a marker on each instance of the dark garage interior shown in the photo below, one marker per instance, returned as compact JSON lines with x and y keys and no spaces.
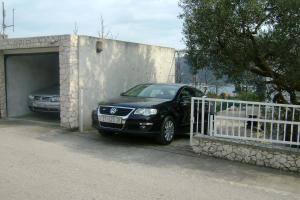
{"x":27,"y":74}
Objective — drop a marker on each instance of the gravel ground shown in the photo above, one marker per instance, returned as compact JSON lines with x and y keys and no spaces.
{"x":42,"y":161}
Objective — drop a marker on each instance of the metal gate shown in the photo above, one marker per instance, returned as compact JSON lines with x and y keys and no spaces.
{"x":245,"y":120}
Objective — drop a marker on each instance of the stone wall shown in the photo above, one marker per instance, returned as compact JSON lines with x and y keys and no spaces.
{"x":68,"y":61}
{"x":248,"y":152}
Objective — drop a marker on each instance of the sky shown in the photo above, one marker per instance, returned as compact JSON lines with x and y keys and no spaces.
{"x":143,"y":21}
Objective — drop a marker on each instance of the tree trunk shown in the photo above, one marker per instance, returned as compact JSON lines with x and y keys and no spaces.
{"x":279,"y":98}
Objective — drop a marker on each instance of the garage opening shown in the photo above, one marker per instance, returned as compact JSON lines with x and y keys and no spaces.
{"x":32,"y":86}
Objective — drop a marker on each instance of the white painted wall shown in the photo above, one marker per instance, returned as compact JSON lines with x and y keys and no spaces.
{"x":117,"y":68}
{"x":26,"y":74}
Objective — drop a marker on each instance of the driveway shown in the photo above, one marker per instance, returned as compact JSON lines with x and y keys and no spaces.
{"x":42,"y":161}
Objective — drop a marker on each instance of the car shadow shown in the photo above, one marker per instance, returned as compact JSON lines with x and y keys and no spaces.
{"x":144,"y":140}
{"x":53,"y":118}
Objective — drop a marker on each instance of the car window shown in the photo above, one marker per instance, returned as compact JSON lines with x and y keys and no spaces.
{"x":153,"y":91}
{"x":199,"y":93}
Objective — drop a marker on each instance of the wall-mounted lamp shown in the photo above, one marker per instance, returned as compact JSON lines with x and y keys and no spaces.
{"x":99,"y":46}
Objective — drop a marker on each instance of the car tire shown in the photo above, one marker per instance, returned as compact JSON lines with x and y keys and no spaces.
{"x":105,"y":133}
{"x":167,"y":131}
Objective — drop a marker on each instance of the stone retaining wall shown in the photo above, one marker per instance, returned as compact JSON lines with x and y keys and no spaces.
{"x":283,"y":158}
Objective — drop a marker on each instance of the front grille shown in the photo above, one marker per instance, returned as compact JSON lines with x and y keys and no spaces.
{"x":38,"y":98}
{"x":120,"y":111}
{"x":42,"y":98}
{"x":46,"y":98}
{"x":111,"y":125}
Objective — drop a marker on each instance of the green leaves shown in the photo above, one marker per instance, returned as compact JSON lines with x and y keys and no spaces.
{"x":236,"y":36}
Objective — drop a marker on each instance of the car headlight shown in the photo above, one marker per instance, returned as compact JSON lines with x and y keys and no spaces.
{"x":98,"y":110}
{"x":145,"y":111}
{"x":31,"y":97}
{"x":55,"y":99}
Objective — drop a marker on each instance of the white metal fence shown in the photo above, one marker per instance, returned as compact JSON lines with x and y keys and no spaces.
{"x":264,"y":122}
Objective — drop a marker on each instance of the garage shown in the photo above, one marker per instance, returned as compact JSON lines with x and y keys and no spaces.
{"x":36,"y":76}
{"x":86,"y":69}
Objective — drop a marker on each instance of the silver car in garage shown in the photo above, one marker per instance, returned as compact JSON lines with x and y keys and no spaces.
{"x":45,"y":101}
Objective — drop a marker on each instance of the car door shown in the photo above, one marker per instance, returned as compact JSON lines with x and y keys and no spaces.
{"x":185,"y":98}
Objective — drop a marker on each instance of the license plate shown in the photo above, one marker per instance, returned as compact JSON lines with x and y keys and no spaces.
{"x":110,"y":119}
{"x":37,"y":104}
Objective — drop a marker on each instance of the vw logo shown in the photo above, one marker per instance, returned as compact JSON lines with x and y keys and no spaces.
{"x":113,"y":110}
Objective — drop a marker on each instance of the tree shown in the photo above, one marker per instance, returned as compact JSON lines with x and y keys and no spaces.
{"x":250,"y":84}
{"x":75,"y":30}
{"x":238,"y":36}
{"x":103,"y":33}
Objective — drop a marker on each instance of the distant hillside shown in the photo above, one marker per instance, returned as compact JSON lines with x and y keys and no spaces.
{"x":203,"y":78}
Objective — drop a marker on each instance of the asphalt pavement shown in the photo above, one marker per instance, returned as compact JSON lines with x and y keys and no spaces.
{"x":42,"y":161}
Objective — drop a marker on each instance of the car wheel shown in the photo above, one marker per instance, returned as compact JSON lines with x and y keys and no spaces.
{"x":105,"y":133}
{"x":167,"y":131}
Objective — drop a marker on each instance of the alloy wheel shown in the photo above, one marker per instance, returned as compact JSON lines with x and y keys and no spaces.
{"x":169,"y":130}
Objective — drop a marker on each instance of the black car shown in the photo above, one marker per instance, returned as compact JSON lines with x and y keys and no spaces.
{"x":150,"y":109}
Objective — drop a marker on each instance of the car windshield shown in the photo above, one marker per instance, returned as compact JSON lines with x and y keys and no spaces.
{"x":152,"y":91}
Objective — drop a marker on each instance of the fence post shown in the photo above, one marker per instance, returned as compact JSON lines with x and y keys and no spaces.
{"x":202,"y":113}
{"x":211,"y":126}
{"x":192,"y":121}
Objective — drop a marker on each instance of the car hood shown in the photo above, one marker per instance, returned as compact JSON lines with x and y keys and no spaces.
{"x":52,"y":91}
{"x":134,"y":102}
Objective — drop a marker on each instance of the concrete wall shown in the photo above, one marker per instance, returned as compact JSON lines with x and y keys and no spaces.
{"x":260,"y":154}
{"x":118,"y":67}
{"x":26,"y":74}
